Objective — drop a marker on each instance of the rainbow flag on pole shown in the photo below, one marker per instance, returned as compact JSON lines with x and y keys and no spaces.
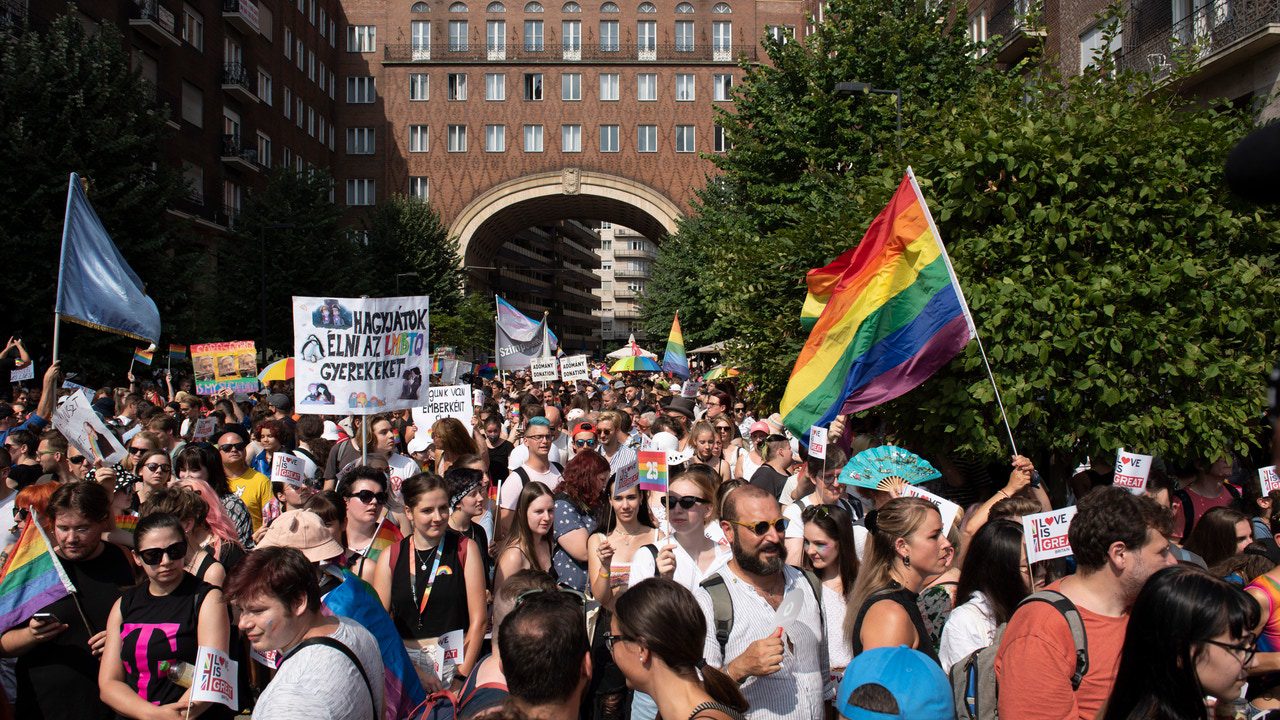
{"x":142,"y":356}
{"x":891,"y":314}
{"x":388,"y":534}
{"x":32,"y":577}
{"x":674,"y":360}
{"x":177,"y":352}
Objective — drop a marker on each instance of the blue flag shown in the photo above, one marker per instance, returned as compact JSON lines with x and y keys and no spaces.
{"x":96,"y":287}
{"x":520,"y":327}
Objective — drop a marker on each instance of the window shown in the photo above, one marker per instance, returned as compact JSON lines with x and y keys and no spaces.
{"x":609,"y":35}
{"x":311,"y":14}
{"x":684,"y":87}
{"x":495,"y":86}
{"x":419,"y":86}
{"x":571,"y":86}
{"x":609,"y":138}
{"x":359,"y":90}
{"x":324,"y":20}
{"x":719,"y":139}
{"x":286,"y":157}
{"x":311,"y":65}
{"x":311,"y":121}
{"x":361,"y":38}
{"x":606,"y":265}
{"x":647,"y":37}
{"x":721,"y":40}
{"x":571,"y":7}
{"x":333,"y":84}
{"x":288,"y":104}
{"x":420,"y":39}
{"x":533,"y":86}
{"x":419,"y":138}
{"x":458,"y":32}
{"x":533,"y":138}
{"x":684,"y":8}
{"x":288,"y":44}
{"x":264,"y":87}
{"x":495,"y":138}
{"x":496,"y":39}
{"x":608,"y":8}
{"x":533,"y":36}
{"x":418,"y":7}
{"x":647,"y":138}
{"x":192,"y":28}
{"x":722,"y":9}
{"x":457,"y":86}
{"x":457,"y":138}
{"x":609,"y":86}
{"x":297,"y":110}
{"x":360,"y":141}
{"x":684,"y":139}
{"x":533,"y":7}
{"x":684,"y":36}
{"x":194,"y":175}
{"x":646,"y":8}
{"x":781,"y":34}
{"x":458,"y":7}
{"x":333,"y":34}
{"x":1092,"y":43}
{"x":571,"y":138}
{"x":299,"y":54}
{"x":571,"y":36}
{"x":320,"y":75}
{"x":419,"y":189}
{"x":647,"y":86}
{"x":192,"y":104}
{"x":360,"y":191}
{"x":231,"y":200}
{"x":721,"y":87}
{"x":496,"y":7}
{"x":978,"y":26}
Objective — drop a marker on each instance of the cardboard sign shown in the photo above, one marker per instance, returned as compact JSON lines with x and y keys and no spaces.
{"x":447,"y":655}
{"x":543,"y":369}
{"x":691,"y":388}
{"x":1132,"y":471}
{"x":22,"y":372}
{"x":287,"y":469}
{"x":204,"y":429}
{"x":225,"y":366}
{"x":653,"y":470}
{"x":82,"y":427}
{"x":574,"y":367}
{"x":1046,"y":534}
{"x":628,"y":477}
{"x":1269,"y":479}
{"x":818,"y":442}
{"x":215,"y":678}
{"x":360,"y":355}
{"x":453,"y":401}
{"x":947,"y":509}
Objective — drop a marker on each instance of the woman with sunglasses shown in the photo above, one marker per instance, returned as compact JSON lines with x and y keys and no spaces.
{"x":829,"y":553}
{"x":688,"y":555}
{"x":527,"y":545}
{"x":30,"y":497}
{"x":200,"y":461}
{"x":155,"y":471}
{"x":364,"y":491}
{"x":1189,"y":636}
{"x":577,"y":499}
{"x":212,"y":554}
{"x":189,"y":614}
{"x":702,"y":438}
{"x":126,"y":471}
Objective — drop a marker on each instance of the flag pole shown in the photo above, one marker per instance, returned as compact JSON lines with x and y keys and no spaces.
{"x":62,"y":262}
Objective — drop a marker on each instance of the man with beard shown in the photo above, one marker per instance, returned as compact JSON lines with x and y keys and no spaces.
{"x":741,"y":604}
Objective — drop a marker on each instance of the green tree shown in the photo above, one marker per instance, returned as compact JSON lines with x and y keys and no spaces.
{"x":406,"y":238}
{"x":468,"y":329}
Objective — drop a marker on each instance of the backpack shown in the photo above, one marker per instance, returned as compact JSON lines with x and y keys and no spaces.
{"x":524,"y":474}
{"x":973,"y":679}
{"x":722,"y":611}
{"x":439,"y":705}
{"x":1188,"y":510}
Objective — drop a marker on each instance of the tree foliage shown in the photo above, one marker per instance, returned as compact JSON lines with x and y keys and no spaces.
{"x":406,"y":237}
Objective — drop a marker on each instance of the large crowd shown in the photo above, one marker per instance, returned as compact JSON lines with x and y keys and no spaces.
{"x":490,"y":568}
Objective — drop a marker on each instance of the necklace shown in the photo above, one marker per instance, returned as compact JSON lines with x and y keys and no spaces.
{"x":628,"y":538}
{"x":422,"y":559}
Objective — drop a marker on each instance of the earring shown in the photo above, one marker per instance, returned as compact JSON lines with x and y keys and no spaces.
{"x":906,"y":560}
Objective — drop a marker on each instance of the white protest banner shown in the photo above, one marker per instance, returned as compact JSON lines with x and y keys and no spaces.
{"x":691,"y":388}
{"x":574,"y":367}
{"x":25,"y":371}
{"x":287,"y":469}
{"x":450,"y":654}
{"x":1046,"y":534}
{"x":445,"y":401}
{"x":1269,"y":479}
{"x":817,"y":442}
{"x":215,"y":678}
{"x":1132,"y":471}
{"x":204,"y":429}
{"x":628,"y":477}
{"x":543,"y":369}
{"x":82,"y":427}
{"x":360,"y":355}
{"x":946,"y":508}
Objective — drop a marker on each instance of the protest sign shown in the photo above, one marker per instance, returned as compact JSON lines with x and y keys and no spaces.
{"x":1132,"y":471}
{"x":360,"y":355}
{"x":574,"y":367}
{"x":514,"y":353}
{"x":818,"y":442}
{"x":128,"y":434}
{"x":215,"y":678}
{"x":653,"y":470}
{"x":1269,"y":479}
{"x":23,"y":371}
{"x":1046,"y":534}
{"x":82,"y":427}
{"x":287,"y":469}
{"x":946,"y":508}
{"x":543,"y":369}
{"x":446,"y":401}
{"x":204,"y":429}
{"x":691,"y":388}
{"x":628,"y":477}
{"x":225,"y":366}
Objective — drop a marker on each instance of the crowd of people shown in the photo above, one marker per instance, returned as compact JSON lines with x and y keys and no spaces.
{"x":492,"y":568}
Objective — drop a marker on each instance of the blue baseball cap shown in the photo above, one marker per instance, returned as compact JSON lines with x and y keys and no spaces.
{"x":917,"y":684}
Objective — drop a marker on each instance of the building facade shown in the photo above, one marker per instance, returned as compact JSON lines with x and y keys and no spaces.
{"x":626,"y":263}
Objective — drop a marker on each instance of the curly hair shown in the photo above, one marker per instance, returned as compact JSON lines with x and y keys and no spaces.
{"x":1109,"y":515}
{"x":582,"y":482}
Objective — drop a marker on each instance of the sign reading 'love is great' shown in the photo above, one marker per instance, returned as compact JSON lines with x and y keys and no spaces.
{"x":1046,"y":534}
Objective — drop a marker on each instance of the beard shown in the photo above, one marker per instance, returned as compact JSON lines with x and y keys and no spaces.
{"x":753,"y":563}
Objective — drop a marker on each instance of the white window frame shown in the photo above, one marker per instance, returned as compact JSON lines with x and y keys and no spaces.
{"x":686,"y":87}
{"x":647,"y":87}
{"x":419,"y":87}
{"x":495,"y":138}
{"x":360,"y":191}
{"x":457,"y":138}
{"x":362,"y":38}
{"x":610,"y":87}
{"x":457,"y":84}
{"x":361,"y":141}
{"x":419,"y":138}
{"x":609,"y":138}
{"x":571,"y":138}
{"x":722,"y":87}
{"x":686,"y":138}
{"x":495,"y":87}
{"x":646,"y":138}
{"x":534,"y":138}
{"x":571,"y":87}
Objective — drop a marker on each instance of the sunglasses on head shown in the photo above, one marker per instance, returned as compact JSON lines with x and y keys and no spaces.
{"x":231,"y":447}
{"x":559,"y":594}
{"x":368,"y":496}
{"x":686,"y":501}
{"x":762,"y":527}
{"x":155,"y":556}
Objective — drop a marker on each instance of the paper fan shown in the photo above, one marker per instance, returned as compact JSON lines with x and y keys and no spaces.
{"x":871,"y":468}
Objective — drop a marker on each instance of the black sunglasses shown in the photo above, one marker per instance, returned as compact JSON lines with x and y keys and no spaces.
{"x":136,"y":450}
{"x":368,"y":496}
{"x":155,"y":556}
{"x":228,"y":447}
{"x":763,"y":526}
{"x":75,"y":459}
{"x":159,"y":467}
{"x":21,"y":514}
{"x":686,"y":501}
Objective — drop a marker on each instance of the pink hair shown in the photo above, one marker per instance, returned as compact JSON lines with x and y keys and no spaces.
{"x":219,"y":522}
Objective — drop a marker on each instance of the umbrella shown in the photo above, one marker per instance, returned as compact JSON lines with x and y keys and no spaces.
{"x":636,"y":363}
{"x":278,"y":370}
{"x":631,"y":349}
{"x":720,"y":371}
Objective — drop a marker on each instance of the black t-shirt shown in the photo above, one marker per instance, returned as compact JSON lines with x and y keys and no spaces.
{"x":769,"y":479}
{"x":499,"y":468}
{"x":59,"y":678}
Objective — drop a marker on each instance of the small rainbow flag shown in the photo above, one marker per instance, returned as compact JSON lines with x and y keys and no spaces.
{"x":32,"y":577}
{"x":488,"y":370}
{"x":142,"y":356}
{"x":437,"y":365}
{"x":388,"y":534}
{"x":674,"y":361}
{"x":493,"y":494}
{"x":177,"y":352}
{"x":127,"y":523}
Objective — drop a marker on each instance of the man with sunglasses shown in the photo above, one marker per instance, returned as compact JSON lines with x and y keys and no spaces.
{"x":251,"y":486}
{"x":784,"y":671}
{"x":612,"y":432}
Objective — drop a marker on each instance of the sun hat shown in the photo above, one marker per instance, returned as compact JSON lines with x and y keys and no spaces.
{"x":916,"y":682}
{"x":331,"y":431}
{"x":302,"y":530}
{"x":670,"y":444}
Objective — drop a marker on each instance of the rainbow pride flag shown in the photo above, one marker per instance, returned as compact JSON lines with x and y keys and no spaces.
{"x":674,"y":360}
{"x":32,"y":577}
{"x":142,"y":356}
{"x":388,"y":534}
{"x":177,"y":352}
{"x":893,"y":315}
{"x":127,"y":523}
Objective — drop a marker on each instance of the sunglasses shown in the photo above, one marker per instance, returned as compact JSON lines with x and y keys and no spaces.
{"x":137,"y":450}
{"x":232,"y":447}
{"x":723,"y":428}
{"x":159,"y":467}
{"x":686,"y":501}
{"x":368,"y":497}
{"x":763,"y":526}
{"x":155,"y":556}
{"x":75,"y":459}
{"x":589,"y":442}
{"x":21,"y":514}
{"x":560,"y":593}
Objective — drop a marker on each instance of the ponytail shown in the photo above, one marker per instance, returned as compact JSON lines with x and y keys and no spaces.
{"x":723,"y":689}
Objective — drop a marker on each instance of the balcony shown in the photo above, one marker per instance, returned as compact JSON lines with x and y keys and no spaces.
{"x":1020,"y":27}
{"x":630,"y":270}
{"x":241,"y":15}
{"x":1214,"y":38}
{"x":236,"y":156}
{"x":236,"y":82}
{"x":608,"y":53}
{"x":625,"y":293}
{"x":627,"y":314}
{"x":156,"y":22}
{"x":621,"y":251}
{"x":195,"y":209}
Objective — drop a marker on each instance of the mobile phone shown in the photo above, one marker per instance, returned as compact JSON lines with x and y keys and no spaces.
{"x":45,"y":617}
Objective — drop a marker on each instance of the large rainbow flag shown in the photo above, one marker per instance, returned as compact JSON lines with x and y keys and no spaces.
{"x":890,"y":313}
{"x":32,"y":577}
{"x":674,"y":360}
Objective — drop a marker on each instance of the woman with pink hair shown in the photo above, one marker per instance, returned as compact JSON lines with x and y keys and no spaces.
{"x":214,"y":531}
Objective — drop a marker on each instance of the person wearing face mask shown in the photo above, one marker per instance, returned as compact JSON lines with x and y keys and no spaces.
{"x":499,"y":447}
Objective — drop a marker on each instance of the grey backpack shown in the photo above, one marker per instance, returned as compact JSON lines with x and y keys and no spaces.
{"x":973,"y":679}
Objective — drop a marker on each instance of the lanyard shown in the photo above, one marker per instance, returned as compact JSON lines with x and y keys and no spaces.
{"x":431,"y":577}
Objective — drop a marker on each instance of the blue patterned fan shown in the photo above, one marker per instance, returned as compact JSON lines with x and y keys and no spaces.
{"x":871,"y":468}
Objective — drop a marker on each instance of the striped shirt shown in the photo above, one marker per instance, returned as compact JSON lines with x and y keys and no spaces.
{"x":624,"y":457}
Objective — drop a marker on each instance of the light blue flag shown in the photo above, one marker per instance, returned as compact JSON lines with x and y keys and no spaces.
{"x":520,"y":327}
{"x":96,"y":287}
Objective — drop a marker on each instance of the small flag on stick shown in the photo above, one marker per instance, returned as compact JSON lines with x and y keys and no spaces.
{"x":143,"y":356}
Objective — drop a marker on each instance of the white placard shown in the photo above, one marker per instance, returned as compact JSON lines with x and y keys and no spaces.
{"x":215,"y":678}
{"x":23,"y":372}
{"x":574,"y":367}
{"x":691,"y":388}
{"x":1132,"y":471}
{"x":947,"y":509}
{"x":543,"y":369}
{"x":82,"y":427}
{"x":1046,"y":534}
{"x":448,"y":654}
{"x":360,"y":356}
{"x":628,"y":477}
{"x":453,"y":401}
{"x":1269,"y":479}
{"x":817,"y":442}
{"x":204,"y":429}
{"x":287,"y":469}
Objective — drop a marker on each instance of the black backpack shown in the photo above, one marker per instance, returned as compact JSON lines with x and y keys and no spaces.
{"x":722,"y":611}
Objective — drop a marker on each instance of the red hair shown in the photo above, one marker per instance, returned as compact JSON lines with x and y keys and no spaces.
{"x":582,"y":483}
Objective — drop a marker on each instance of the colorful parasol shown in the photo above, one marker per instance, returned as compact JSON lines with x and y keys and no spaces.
{"x":278,"y":370}
{"x":720,"y":372}
{"x":636,"y":363}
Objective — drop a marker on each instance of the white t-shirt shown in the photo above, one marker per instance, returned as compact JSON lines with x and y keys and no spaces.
{"x":970,"y":627}
{"x":509,"y":493}
{"x":687,"y":572}
{"x":321,"y":683}
{"x":399,"y":468}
